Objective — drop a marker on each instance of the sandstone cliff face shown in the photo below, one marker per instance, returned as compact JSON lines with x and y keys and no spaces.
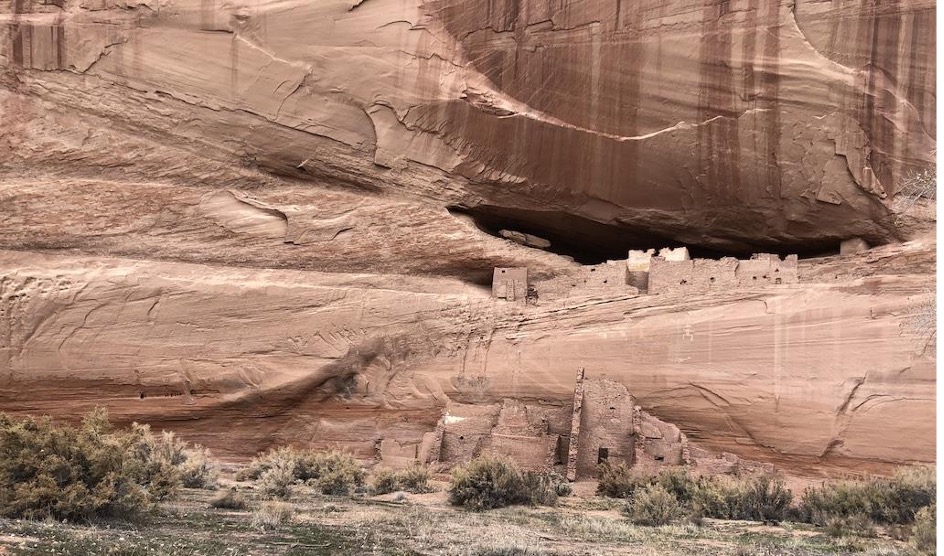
{"x":266,"y":222}
{"x":803,"y":376}
{"x":731,"y":124}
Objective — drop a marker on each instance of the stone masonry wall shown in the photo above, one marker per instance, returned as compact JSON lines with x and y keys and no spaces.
{"x":728,"y":272}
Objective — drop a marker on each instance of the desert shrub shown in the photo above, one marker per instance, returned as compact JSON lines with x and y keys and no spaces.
{"x":561,"y":485}
{"x":229,"y":500}
{"x":679,"y":483}
{"x":850,"y":526}
{"x":336,"y":474}
{"x":653,"y":505}
{"x":277,"y":480}
{"x":759,"y":498}
{"x":80,"y":473}
{"x":924,"y":532}
{"x":717,"y":497}
{"x":414,"y":479}
{"x":765,"y":498}
{"x":384,"y":482}
{"x":619,"y":480}
{"x":270,"y":515}
{"x":265,"y":461}
{"x":892,"y":500}
{"x":199,"y":470}
{"x":278,"y":469}
{"x":541,"y":487}
{"x":487,"y":482}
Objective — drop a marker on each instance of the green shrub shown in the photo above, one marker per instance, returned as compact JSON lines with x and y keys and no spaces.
{"x":924,"y":532}
{"x":619,"y":481}
{"x":493,"y":482}
{"x":766,"y":499}
{"x":653,"y":505}
{"x":278,"y":469}
{"x":487,"y":482}
{"x":80,"y":473}
{"x":384,"y":482}
{"x":893,"y":500}
{"x":337,"y":474}
{"x":263,"y":462}
{"x":414,"y":479}
{"x":679,"y":483}
{"x":229,"y":500}
{"x":542,"y":487}
{"x":850,"y":526}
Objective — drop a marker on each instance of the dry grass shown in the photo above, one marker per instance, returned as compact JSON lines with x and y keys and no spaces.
{"x":272,"y":514}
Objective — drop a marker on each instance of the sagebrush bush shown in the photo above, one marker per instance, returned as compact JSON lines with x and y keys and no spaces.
{"x":229,"y":500}
{"x":277,"y":480}
{"x":278,"y":469}
{"x":653,"y":505}
{"x":892,"y":500}
{"x":414,"y":479}
{"x":619,"y":480}
{"x":766,"y":499}
{"x":541,"y":488}
{"x":332,"y":472}
{"x":924,"y":532}
{"x":79,"y":473}
{"x":199,"y":470}
{"x":493,"y":482}
{"x":487,"y":482}
{"x":850,"y":526}
{"x":271,"y":514}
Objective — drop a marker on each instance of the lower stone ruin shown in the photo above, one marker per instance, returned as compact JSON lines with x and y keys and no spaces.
{"x":603,"y":424}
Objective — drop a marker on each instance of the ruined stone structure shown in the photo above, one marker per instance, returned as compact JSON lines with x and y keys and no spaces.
{"x":574,"y":451}
{"x":703,"y":274}
{"x":602,"y":424}
{"x":607,"y":426}
{"x":510,"y":284}
{"x":610,"y":276}
{"x":528,"y":434}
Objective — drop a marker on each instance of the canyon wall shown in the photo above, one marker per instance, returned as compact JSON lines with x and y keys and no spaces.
{"x":805,"y":376}
{"x":262,"y":221}
{"x":731,"y":124}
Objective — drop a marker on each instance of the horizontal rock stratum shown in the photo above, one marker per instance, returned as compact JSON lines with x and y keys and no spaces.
{"x":804,"y":376}
{"x":263,"y":222}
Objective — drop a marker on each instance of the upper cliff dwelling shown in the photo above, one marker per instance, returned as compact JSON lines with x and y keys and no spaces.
{"x":590,"y":242}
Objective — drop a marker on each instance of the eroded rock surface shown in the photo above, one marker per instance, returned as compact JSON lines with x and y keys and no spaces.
{"x":267,"y":222}
{"x":805,"y":376}
{"x":732,"y":124}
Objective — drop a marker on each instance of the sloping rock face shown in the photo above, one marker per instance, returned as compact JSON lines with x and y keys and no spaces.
{"x":731,"y":124}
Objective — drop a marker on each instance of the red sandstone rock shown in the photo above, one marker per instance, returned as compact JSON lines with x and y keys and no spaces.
{"x":231,"y":219}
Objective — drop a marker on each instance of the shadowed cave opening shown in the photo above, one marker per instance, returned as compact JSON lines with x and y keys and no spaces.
{"x":590,"y":242}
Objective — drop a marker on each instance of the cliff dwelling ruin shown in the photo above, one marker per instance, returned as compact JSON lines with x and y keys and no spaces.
{"x":603,"y":424}
{"x":673,"y":270}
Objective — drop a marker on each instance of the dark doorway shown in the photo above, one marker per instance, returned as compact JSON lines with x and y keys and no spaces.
{"x":603,"y":454}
